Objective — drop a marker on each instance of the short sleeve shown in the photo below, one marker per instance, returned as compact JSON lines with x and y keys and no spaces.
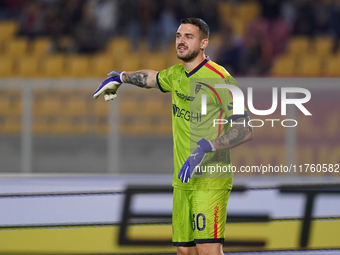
{"x":228,"y":108}
{"x":164,"y":80}
{"x":228,"y":103}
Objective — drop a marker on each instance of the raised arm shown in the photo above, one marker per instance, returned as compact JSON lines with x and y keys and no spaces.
{"x":143,"y":78}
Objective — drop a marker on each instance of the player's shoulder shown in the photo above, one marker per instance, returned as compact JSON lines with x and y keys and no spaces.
{"x":171,"y":73}
{"x":174,"y":69}
{"x":217,"y":70}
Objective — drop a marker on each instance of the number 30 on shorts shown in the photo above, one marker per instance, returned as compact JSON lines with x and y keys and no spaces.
{"x":199,"y":221}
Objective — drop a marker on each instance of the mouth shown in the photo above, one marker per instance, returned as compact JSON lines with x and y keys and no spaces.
{"x":181,"y":48}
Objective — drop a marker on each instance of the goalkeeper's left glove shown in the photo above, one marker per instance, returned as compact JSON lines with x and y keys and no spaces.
{"x":109,"y":86}
{"x":195,"y":160}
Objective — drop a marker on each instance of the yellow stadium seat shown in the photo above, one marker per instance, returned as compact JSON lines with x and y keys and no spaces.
{"x":118,"y":47}
{"x":75,"y":106}
{"x":166,"y":111}
{"x":40,"y":97}
{"x":79,"y":125}
{"x":137,"y":126}
{"x":322,"y":46}
{"x":48,"y":106}
{"x":129,"y":107}
{"x":40,"y":125}
{"x":28,"y":67}
{"x":73,"y":101}
{"x":5,"y":105}
{"x":78,"y":66}
{"x":239,"y":26}
{"x":101,"y":125}
{"x":16,"y":47}
{"x":143,"y":126}
{"x":298,"y":45}
{"x":41,"y":94}
{"x":10,"y":101}
{"x":53,"y":66}
{"x":101,"y":107}
{"x":151,"y":107}
{"x":134,"y":100}
{"x":284,"y":66}
{"x":155,"y":61}
{"x":161,"y":126}
{"x":60,"y":125}
{"x":171,"y":58}
{"x":6,"y":66}
{"x":126,"y":125}
{"x":66,"y":42}
{"x":8,"y":30}
{"x":10,"y":125}
{"x":225,"y":12}
{"x":163,"y":129}
{"x":99,"y":65}
{"x":215,"y":40}
{"x":332,"y":67}
{"x":248,"y":11}
{"x":41,"y":46}
{"x":143,"y":46}
{"x":310,"y":65}
{"x":131,"y":62}
{"x":85,"y":93}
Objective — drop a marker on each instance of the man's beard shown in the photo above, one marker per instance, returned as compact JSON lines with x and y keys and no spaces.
{"x":190,"y":56}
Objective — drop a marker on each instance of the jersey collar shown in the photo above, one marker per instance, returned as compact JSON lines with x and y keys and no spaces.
{"x":198,"y":67}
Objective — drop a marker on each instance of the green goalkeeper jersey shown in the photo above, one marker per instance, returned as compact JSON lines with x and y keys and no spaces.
{"x":190,"y":123}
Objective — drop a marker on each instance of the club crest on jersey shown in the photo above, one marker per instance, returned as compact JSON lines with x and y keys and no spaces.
{"x":198,"y":88}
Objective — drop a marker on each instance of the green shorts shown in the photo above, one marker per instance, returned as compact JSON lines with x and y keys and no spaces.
{"x":199,"y":216}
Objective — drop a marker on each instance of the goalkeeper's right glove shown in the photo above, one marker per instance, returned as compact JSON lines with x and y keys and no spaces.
{"x":109,"y":86}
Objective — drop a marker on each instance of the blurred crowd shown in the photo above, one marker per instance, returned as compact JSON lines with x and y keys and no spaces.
{"x":92,"y":23}
{"x":266,"y":37}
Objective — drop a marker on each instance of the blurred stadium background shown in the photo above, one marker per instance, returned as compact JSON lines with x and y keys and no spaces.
{"x":60,"y":148}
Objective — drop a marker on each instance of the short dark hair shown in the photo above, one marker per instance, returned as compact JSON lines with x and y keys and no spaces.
{"x":203,"y":27}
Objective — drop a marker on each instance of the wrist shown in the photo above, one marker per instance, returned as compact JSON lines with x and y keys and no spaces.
{"x":206,"y":146}
{"x":121,"y":76}
{"x":117,"y":76}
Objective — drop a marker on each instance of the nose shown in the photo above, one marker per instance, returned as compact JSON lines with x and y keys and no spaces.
{"x":180,"y":40}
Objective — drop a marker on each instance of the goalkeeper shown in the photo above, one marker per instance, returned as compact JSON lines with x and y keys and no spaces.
{"x":199,"y":198}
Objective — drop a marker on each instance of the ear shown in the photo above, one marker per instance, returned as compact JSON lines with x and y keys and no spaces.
{"x":204,"y":43}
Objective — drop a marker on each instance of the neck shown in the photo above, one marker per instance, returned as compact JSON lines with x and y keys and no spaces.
{"x":194,"y":62}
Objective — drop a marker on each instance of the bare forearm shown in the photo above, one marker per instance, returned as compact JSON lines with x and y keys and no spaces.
{"x":142,"y":78}
{"x":237,"y":134}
